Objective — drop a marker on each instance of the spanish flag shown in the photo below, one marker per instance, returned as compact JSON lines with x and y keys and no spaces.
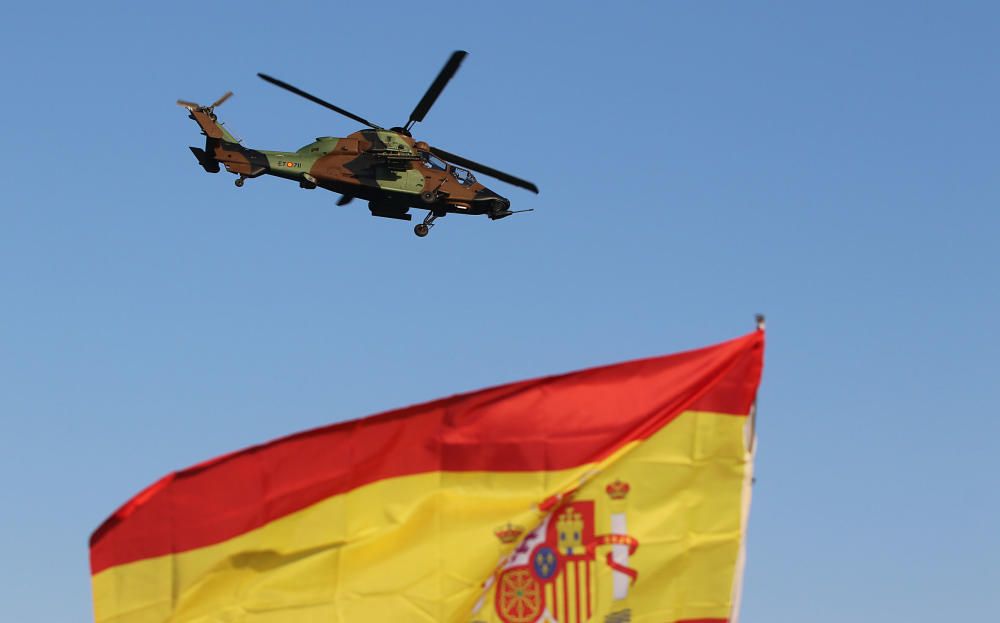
{"x":614,"y":494}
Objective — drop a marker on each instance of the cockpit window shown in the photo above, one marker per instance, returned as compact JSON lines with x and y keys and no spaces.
{"x":433,"y":162}
{"x":464,"y":177}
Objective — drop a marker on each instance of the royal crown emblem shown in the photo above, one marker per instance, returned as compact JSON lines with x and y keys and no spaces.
{"x":509,"y":533}
{"x":617,"y":490}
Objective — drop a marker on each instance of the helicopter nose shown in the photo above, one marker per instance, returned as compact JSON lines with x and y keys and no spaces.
{"x":499,"y":207}
{"x":493,"y":201}
{"x":485,"y":194}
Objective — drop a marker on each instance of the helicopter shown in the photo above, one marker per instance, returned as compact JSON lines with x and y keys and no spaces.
{"x":385,"y":167}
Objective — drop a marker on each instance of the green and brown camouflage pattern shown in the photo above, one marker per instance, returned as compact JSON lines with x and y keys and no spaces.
{"x":388,"y":168}
{"x":384,"y":167}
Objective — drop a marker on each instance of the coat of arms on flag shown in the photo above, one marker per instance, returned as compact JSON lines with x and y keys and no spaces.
{"x":550,"y":577}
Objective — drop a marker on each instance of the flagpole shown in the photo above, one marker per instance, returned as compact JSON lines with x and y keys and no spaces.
{"x":748,"y":483}
{"x":752,"y":440}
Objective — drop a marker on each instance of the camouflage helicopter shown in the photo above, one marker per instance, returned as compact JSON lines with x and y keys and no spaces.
{"x":388,"y":168}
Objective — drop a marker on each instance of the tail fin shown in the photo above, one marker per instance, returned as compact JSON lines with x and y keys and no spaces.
{"x":220,"y":145}
{"x":210,"y":164}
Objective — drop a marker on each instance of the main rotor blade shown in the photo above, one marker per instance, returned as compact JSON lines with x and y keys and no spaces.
{"x":485,"y":170}
{"x":316,"y":100}
{"x":437,"y":86}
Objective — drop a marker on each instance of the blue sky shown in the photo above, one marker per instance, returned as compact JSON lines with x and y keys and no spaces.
{"x":833,"y":166}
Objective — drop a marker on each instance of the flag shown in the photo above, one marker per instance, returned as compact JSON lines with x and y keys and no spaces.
{"x":613,"y":494}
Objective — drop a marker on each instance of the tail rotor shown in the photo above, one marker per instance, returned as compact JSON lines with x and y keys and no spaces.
{"x":192,"y":106}
{"x":222,"y":99}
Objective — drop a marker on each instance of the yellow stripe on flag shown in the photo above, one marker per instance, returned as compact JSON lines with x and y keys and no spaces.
{"x":388,"y":551}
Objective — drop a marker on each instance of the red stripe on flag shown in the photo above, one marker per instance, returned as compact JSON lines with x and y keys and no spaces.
{"x":552,"y":423}
{"x":565,"y":585}
{"x":576,"y":598}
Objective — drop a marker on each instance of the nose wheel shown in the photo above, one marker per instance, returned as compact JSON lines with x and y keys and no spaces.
{"x":239,"y":181}
{"x":422,"y":229}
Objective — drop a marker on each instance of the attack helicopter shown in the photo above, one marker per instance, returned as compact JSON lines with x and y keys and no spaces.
{"x":385,"y":167}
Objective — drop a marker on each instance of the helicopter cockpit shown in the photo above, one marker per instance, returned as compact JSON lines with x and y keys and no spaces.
{"x":464,"y":176}
{"x":433,"y":162}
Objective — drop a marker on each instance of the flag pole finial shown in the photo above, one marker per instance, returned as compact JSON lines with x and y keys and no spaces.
{"x":760,"y":321}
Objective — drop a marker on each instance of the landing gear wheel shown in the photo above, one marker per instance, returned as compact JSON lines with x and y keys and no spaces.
{"x":429,"y":196}
{"x":421,"y":230}
{"x":239,"y":182}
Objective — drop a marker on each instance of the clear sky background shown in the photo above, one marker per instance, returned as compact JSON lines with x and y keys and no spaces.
{"x":833,"y":166}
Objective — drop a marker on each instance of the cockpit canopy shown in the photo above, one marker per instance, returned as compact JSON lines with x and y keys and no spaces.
{"x":433,"y":162}
{"x":463,"y":176}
